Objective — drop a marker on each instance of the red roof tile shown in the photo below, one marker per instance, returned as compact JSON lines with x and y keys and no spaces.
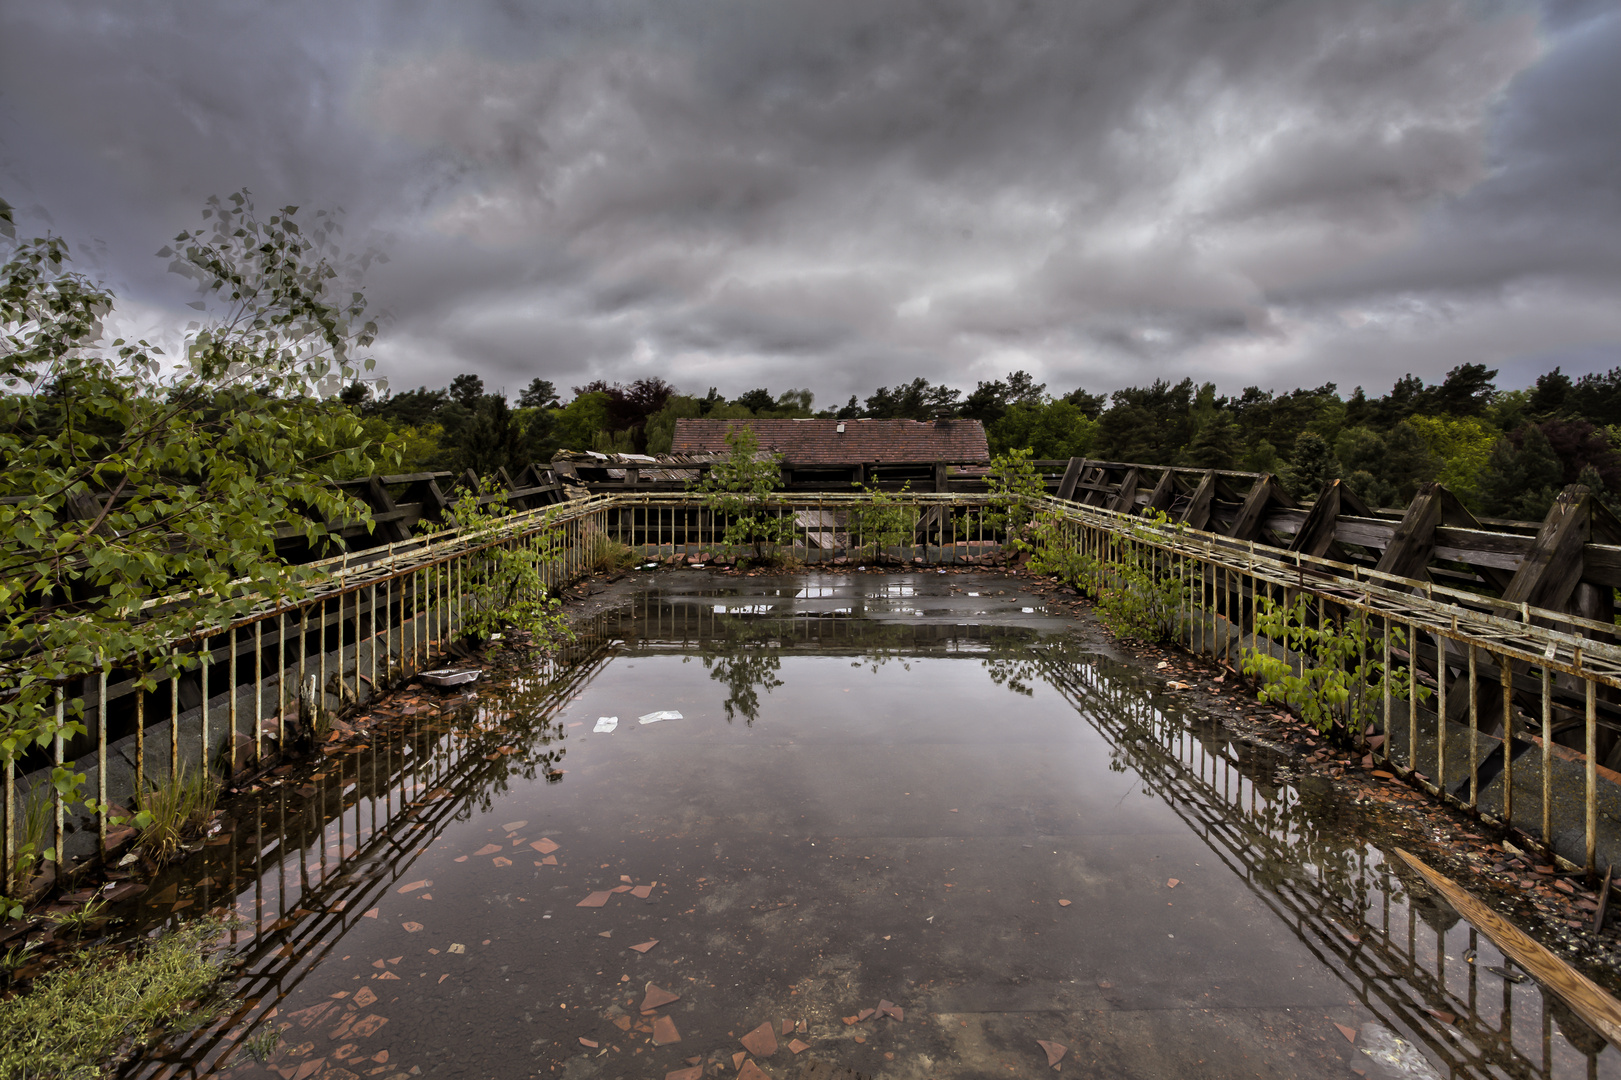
{"x":862,"y":442}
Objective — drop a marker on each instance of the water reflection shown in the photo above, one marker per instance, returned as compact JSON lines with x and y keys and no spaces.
{"x":313,"y":856}
{"x":1396,"y":947}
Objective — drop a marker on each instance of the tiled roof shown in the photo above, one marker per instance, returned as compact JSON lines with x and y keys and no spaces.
{"x":862,"y":442}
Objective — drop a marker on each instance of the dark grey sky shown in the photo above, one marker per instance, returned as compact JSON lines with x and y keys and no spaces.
{"x":838,"y":194}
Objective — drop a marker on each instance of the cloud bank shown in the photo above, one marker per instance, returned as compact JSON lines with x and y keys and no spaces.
{"x":839,"y":195}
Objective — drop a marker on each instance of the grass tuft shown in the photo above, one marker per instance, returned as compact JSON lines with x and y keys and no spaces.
{"x":105,"y":1002}
{"x":177,"y":806}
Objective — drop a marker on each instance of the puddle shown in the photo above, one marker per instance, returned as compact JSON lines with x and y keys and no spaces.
{"x":879,"y":791}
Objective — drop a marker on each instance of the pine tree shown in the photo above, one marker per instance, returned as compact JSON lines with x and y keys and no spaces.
{"x":1312,"y":465}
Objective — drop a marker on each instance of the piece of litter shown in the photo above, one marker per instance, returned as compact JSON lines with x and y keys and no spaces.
{"x":1065,"y":903}
{"x":514,"y":826}
{"x":592,"y":1043}
{"x":663,"y":714}
{"x":642,"y":892}
{"x":605,"y":724}
{"x":761,"y":1042}
{"x":751,"y":1071}
{"x":644,"y":946}
{"x":415,"y":885}
{"x":411,"y":927}
{"x":1401,"y":1057}
{"x":457,"y":948}
{"x":798,"y":1047}
{"x":664,"y":1032}
{"x":1173,"y":883}
{"x":596,"y":899}
{"x":1348,"y":1032}
{"x":606,"y":933}
{"x":1055,"y":1051}
{"x":544,"y":846}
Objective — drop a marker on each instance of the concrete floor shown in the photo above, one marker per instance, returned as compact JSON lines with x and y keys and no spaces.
{"x":885,"y":788}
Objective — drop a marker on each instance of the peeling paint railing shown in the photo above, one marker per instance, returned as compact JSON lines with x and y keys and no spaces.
{"x":371,"y":620}
{"x":392,"y":607}
{"x":1513,"y":676}
{"x":1545,"y":663}
{"x":922,"y":527}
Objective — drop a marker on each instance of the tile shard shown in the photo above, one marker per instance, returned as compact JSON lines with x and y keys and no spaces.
{"x":761,"y":1042}
{"x":1055,"y":1051}
{"x":657,"y":997}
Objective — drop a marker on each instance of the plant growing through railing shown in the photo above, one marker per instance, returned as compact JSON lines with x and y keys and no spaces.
{"x":1144,"y":595}
{"x":506,"y":589}
{"x":132,"y":478}
{"x":741,"y":488}
{"x":1055,"y":554}
{"x":1015,"y":488}
{"x":882,"y":522}
{"x":1342,"y":680}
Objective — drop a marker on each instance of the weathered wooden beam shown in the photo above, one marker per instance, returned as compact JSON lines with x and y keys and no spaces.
{"x":1551,"y":570}
{"x":1601,"y":1011}
{"x":1197,"y":513}
{"x":1413,"y":544}
{"x":1264,"y":496}
{"x":1072,"y":476}
{"x":1125,"y":496}
{"x":1316,"y":535}
{"x":1164,"y":492}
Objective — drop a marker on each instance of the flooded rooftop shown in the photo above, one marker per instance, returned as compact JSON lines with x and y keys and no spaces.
{"x":907,"y":825}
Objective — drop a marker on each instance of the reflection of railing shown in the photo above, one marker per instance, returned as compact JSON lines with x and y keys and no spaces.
{"x":356,"y":838}
{"x":1344,"y":902}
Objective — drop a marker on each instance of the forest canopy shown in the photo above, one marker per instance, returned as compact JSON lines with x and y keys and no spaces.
{"x":1505,"y":453}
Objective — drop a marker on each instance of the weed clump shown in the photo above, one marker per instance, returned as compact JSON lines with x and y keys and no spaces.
{"x":104,"y":1003}
{"x":173,"y":809}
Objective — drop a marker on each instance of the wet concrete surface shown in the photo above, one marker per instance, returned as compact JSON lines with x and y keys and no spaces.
{"x":930,"y":790}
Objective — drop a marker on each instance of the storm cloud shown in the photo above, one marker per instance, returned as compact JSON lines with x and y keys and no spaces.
{"x":840,"y":194}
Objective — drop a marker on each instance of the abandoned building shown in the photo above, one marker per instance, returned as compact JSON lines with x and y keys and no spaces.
{"x":832,"y":453}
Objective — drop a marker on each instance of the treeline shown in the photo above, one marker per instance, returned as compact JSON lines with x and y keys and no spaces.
{"x":1505,"y":453}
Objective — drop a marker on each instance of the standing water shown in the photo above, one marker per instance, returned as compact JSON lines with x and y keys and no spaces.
{"x":909,"y":825}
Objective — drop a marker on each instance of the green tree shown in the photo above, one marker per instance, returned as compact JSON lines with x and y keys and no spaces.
{"x":1459,"y":447}
{"x":129,"y":478}
{"x":539,"y":394}
{"x":1521,"y":482}
{"x":1312,"y":465}
{"x":740,"y":488}
{"x":1051,"y":431}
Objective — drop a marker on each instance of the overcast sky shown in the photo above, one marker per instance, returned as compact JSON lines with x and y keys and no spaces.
{"x":836,"y":194}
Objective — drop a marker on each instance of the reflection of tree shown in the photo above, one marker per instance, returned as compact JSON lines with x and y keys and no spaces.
{"x":741,"y":673}
{"x":742,"y":656}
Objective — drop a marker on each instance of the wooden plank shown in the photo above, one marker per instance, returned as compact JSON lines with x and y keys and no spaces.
{"x":1072,"y":476}
{"x":1266,"y":495}
{"x":1125,"y":496}
{"x":1364,"y":532}
{"x":1164,"y":492}
{"x":1197,"y":514}
{"x":1316,"y":535}
{"x":1412,"y":544}
{"x":1553,"y":567}
{"x":1585,"y":997}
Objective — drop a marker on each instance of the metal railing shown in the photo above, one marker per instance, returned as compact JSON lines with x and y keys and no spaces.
{"x":369,"y":622}
{"x":392,"y":607}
